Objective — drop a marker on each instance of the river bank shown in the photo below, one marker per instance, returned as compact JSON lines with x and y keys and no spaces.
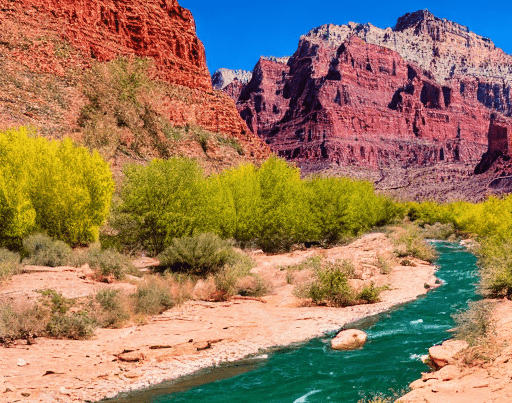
{"x":481,"y":374}
{"x":197,"y":334}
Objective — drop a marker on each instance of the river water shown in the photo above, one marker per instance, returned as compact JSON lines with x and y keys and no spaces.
{"x":313,"y":372}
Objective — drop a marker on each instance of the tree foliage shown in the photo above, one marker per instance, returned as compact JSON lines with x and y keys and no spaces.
{"x":51,"y":186}
{"x":269,"y":206}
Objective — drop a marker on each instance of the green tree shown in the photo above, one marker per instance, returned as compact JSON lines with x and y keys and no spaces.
{"x":52,"y":186}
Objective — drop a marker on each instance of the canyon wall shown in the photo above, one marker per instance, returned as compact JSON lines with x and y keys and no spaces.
{"x":421,"y":93}
{"x":52,"y":43}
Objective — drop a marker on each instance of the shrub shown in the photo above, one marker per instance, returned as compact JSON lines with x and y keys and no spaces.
{"x":109,"y":262}
{"x":119,"y":94}
{"x":252,"y":285}
{"x":284,"y":208}
{"x":310,"y":263}
{"x":369,"y":294}
{"x":330,"y":287}
{"x":438,"y":231}
{"x":227,"y":278}
{"x":113,"y":314}
{"x":23,"y":321}
{"x":55,"y":301}
{"x":270,"y":207}
{"x":9,"y":263}
{"x":495,"y":255}
{"x":200,"y":254}
{"x":75,"y":326}
{"x":51,"y":186}
{"x":383,"y":263}
{"x":475,"y":324}
{"x":153,"y":297}
{"x":409,"y":241}
{"x":181,"y":286}
{"x":41,"y":250}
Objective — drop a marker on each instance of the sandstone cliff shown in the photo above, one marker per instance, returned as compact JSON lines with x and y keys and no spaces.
{"x":48,"y":48}
{"x":424,"y":92}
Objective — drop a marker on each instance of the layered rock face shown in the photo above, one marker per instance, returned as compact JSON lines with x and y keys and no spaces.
{"x":427,"y":91}
{"x":104,"y":29}
{"x":47,"y":45}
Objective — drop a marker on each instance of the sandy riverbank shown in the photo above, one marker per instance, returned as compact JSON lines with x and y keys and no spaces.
{"x":195,"y":335}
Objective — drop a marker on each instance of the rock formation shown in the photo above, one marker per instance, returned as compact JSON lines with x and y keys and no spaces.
{"x":104,"y":29}
{"x":54,"y":42}
{"x":424,"y":92}
{"x":349,"y":340}
{"x":444,"y":354}
{"x":223,"y":77}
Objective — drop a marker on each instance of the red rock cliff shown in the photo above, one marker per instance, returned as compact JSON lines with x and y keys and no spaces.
{"x":55,"y":41}
{"x":103,"y":29}
{"x":359,"y":95}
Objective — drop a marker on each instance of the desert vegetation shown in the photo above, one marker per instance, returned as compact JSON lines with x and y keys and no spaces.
{"x":269,"y":206}
{"x":122,"y":112}
{"x":51,"y":186}
{"x":490,"y":222}
{"x":192,"y":222}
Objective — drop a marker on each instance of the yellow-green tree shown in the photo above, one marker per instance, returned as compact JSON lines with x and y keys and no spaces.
{"x":52,"y":186}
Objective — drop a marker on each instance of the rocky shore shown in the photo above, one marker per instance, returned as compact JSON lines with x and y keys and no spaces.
{"x":481,"y":374}
{"x":195,"y":335}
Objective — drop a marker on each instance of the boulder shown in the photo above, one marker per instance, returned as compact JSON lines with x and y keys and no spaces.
{"x":349,"y":340}
{"x":442,"y":355}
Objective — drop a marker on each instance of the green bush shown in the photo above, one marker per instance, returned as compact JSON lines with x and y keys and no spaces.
{"x":9,"y":263}
{"x":55,"y":301}
{"x":201,"y":254}
{"x":343,"y":207}
{"x":369,"y":294}
{"x":270,"y":207}
{"x":75,"y":326}
{"x":41,"y":250}
{"x":109,"y":262}
{"x":495,"y":256}
{"x":153,"y":297}
{"x":284,"y":208}
{"x":51,"y":186}
{"x":329,"y":287}
{"x":409,"y":241}
{"x":384,"y":264}
{"x":236,"y":279}
{"x":113,"y":314}
{"x":227,"y":277}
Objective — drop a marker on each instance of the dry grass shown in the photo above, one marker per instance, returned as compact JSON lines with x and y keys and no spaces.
{"x":9,"y":264}
{"x":409,"y":241}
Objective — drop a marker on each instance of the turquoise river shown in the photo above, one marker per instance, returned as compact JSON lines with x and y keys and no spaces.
{"x":313,"y":372}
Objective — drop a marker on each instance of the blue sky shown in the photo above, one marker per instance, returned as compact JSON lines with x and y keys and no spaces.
{"x":236,"y":33}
